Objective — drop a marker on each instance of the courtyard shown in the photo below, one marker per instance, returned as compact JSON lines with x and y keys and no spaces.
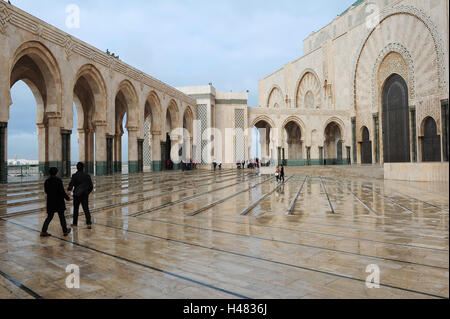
{"x":233,"y":234}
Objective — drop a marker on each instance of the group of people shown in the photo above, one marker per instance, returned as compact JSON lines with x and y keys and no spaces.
{"x":279,"y":173}
{"x":189,"y":166}
{"x":80,"y":187}
{"x":217,"y":164}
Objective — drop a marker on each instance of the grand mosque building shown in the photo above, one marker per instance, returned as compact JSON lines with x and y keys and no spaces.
{"x":370,"y":88}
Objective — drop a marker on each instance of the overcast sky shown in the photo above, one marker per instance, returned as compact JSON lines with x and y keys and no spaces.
{"x":231,"y":43}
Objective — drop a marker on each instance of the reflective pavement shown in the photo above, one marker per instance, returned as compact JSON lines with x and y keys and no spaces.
{"x":232,"y":234}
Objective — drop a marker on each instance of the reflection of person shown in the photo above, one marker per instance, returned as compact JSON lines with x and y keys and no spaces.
{"x":56,"y":195}
{"x":81,"y":184}
{"x":282,"y":173}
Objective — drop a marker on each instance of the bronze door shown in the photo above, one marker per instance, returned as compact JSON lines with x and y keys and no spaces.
{"x":396,"y":136}
{"x":366,"y":148}
{"x":431,"y":142}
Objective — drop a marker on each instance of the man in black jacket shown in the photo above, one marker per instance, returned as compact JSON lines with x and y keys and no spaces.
{"x":56,"y":195}
{"x":81,"y":184}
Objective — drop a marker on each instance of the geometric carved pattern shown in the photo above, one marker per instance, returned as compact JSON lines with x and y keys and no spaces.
{"x":434,"y":34}
{"x":147,"y":141}
{"x":239,"y":120}
{"x":203,"y":118}
{"x":396,"y":65}
{"x":308,"y":92}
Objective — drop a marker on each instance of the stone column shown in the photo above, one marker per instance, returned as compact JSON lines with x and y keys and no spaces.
{"x":81,"y":145}
{"x":376,"y":125}
{"x":156,"y":151}
{"x":54,"y":143}
{"x":132,"y":151}
{"x":66,"y":153}
{"x":118,"y":153}
{"x":355,"y":150}
{"x":90,"y":151}
{"x":43,"y":151}
{"x":3,"y":152}
{"x":413,"y":135}
{"x":109,"y":154}
{"x":140,"y":145}
{"x":100,"y":150}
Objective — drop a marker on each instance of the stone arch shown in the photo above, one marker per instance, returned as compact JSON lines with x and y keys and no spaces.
{"x":96,"y":82}
{"x":153,"y":109}
{"x":263,"y":118}
{"x":130,"y":98}
{"x":275,"y":97}
{"x":308,"y":85}
{"x":296,"y":120}
{"x":430,"y":140}
{"x":293,"y":139}
{"x":333,"y":143}
{"x":429,"y":47}
{"x":173,"y":111}
{"x":188,"y":125}
{"x":34,"y":63}
{"x":339,"y":122}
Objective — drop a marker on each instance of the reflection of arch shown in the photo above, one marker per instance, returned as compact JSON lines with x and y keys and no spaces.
{"x":308,"y":81}
{"x":275,"y":97}
{"x":36,"y":66}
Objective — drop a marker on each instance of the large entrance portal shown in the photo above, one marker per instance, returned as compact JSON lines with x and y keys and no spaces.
{"x":333,"y":144}
{"x":396,"y":139}
{"x":293,"y":138}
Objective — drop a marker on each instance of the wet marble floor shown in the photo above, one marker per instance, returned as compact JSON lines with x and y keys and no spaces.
{"x":232,"y":234}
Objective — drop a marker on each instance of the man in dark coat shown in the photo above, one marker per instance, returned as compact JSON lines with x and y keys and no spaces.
{"x":82,"y":186}
{"x":282,"y":173}
{"x":56,"y":195}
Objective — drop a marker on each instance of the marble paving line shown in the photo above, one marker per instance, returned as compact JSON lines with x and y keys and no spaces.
{"x":402,"y":194}
{"x":143,"y":177}
{"x":365,"y":231}
{"x":295,"y":230}
{"x":292,"y":206}
{"x":271,"y":261}
{"x":173,"y":203}
{"x":42,"y":209}
{"x":206,"y":285}
{"x":265,"y":239}
{"x":256,"y":258}
{"x":220,"y":201}
{"x":262,"y":198}
{"x":326,"y":193}
{"x":20,"y":285}
{"x":395,"y":222}
{"x":357,"y":198}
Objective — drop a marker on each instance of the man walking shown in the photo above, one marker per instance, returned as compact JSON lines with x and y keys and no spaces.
{"x":56,"y":195}
{"x":282,"y":173}
{"x":82,"y":187}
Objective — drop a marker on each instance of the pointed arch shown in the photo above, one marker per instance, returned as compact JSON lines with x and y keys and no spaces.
{"x":308,"y":90}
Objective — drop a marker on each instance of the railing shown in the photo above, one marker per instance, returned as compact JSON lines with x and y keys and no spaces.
{"x":23,"y":170}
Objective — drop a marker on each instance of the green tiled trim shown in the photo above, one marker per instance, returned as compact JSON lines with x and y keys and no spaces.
{"x":101,"y":168}
{"x":239,"y":102}
{"x":3,"y":159}
{"x":296,"y":162}
{"x":133,"y":167}
{"x":176,"y":167}
{"x":89,"y":168}
{"x":156,"y":166}
{"x":117,"y":167}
